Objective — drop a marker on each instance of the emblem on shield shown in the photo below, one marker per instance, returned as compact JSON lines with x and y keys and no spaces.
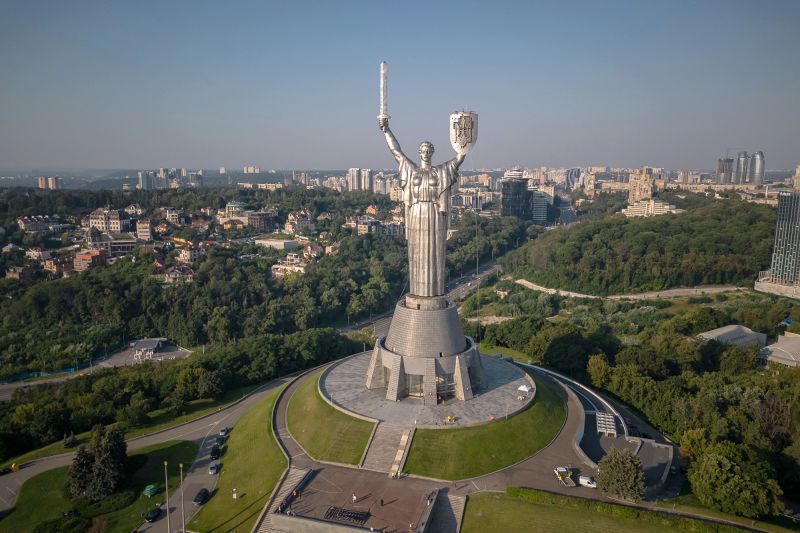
{"x":463,"y":131}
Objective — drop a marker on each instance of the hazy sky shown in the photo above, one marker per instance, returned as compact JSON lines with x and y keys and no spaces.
{"x":293,"y":84}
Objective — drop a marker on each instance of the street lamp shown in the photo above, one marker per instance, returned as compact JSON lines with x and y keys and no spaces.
{"x":183,"y":512}
{"x":166,"y":490}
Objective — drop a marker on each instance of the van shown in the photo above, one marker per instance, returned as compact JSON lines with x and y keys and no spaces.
{"x":587,"y":481}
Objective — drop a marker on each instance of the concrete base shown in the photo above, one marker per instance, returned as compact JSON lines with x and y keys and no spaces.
{"x":342,"y":386}
{"x":425,"y":354}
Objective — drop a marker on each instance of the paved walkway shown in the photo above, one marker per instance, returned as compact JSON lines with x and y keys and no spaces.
{"x":383,"y":448}
{"x":344,"y":387}
{"x":668,"y":293}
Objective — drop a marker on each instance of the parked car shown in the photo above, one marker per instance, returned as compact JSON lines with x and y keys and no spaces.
{"x":153,"y":514}
{"x":220,"y":441}
{"x":224,"y":432}
{"x":587,"y":481}
{"x":201,"y":498}
{"x":213,"y":468}
{"x":215,"y":453}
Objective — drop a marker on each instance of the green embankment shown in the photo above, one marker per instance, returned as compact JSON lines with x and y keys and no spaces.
{"x":530,"y":510}
{"x":325,"y":433}
{"x":468,"y":452}
{"x":252,"y":463}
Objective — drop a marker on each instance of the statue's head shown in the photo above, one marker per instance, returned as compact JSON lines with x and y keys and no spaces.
{"x":426,"y":151}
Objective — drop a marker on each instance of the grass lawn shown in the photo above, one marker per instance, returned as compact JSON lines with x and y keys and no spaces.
{"x":252,"y":463}
{"x":688,"y":503}
{"x":469,"y":452}
{"x":490,"y":512}
{"x":43,"y":497}
{"x":489,"y":349}
{"x":158,"y":419}
{"x":324,"y":432}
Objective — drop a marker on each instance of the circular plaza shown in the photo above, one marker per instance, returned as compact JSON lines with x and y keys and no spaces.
{"x":508,"y":390}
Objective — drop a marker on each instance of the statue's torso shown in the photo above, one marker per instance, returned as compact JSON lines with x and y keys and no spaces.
{"x":425,"y":184}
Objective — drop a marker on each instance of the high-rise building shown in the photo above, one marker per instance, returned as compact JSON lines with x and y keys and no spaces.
{"x":41,"y":182}
{"x":366,"y":179}
{"x":785,"y":266}
{"x":53,"y":183}
{"x":640,"y":185}
{"x":757,"y":168}
{"x":353,"y":179}
{"x":539,"y":202}
{"x":742,"y":167}
{"x":515,"y":199}
{"x":222,"y":171}
{"x":724,"y":170}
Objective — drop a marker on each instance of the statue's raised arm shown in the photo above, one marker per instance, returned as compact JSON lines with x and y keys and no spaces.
{"x":391,"y":140}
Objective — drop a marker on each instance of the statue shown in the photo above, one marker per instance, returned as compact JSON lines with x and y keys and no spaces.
{"x":426,"y":195}
{"x":425,"y":353}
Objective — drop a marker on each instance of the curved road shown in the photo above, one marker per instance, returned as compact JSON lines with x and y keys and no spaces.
{"x":666,"y":293}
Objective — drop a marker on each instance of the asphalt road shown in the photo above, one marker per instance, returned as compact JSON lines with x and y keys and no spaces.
{"x":458,"y":288}
{"x":121,"y":357}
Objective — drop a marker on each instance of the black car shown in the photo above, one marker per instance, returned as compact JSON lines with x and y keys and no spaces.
{"x":215,"y":453}
{"x":153,"y":514}
{"x":202,"y":496}
{"x":220,"y":441}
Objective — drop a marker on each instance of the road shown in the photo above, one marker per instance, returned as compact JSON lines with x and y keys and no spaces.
{"x":120,"y":357}
{"x":198,"y":431}
{"x":668,"y":293}
{"x":458,"y":289}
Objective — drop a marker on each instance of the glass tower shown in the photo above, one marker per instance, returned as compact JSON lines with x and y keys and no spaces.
{"x":785,"y":266}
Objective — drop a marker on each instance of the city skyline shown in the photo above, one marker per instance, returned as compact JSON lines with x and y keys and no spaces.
{"x":101,"y":86}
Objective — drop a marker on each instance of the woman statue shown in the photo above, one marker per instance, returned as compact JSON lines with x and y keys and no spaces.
{"x":426,"y":195}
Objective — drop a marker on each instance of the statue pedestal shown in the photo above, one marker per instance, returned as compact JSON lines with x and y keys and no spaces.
{"x":425,"y":354}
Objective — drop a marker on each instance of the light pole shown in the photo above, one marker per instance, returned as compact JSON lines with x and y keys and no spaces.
{"x":166,"y":490}
{"x":183,"y":513}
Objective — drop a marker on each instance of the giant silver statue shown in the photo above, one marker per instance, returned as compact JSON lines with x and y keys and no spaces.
{"x":426,"y":195}
{"x":425,"y":353}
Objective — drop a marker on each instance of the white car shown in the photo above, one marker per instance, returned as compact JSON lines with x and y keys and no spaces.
{"x":587,"y":481}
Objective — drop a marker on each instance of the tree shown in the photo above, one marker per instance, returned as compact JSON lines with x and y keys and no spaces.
{"x":99,"y":468}
{"x":80,"y":473}
{"x":135,"y":413}
{"x":621,"y":474}
{"x":693,"y":443}
{"x":599,"y":370}
{"x":728,"y":478}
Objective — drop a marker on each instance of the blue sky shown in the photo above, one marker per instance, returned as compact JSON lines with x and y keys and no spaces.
{"x":293,"y":84}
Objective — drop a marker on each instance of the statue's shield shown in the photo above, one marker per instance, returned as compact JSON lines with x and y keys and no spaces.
{"x":463,"y":131}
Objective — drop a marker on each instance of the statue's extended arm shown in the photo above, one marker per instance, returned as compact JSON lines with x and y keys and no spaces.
{"x":456,"y":162}
{"x":391,"y":140}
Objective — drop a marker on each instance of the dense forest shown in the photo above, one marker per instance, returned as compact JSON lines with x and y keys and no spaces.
{"x":50,"y":325}
{"x":729,"y":417}
{"x":41,"y":415}
{"x":722,"y":242}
